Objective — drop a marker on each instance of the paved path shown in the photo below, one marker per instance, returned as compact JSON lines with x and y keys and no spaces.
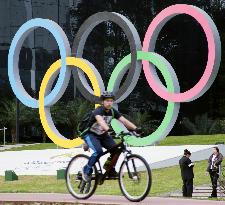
{"x":110,"y":200}
{"x":202,"y":192}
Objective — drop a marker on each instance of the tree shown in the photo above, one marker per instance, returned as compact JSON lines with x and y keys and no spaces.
{"x":28,"y":116}
{"x":8,"y":116}
{"x":143,"y":119}
{"x":67,"y":115}
{"x":75,"y":110}
{"x":202,"y":124}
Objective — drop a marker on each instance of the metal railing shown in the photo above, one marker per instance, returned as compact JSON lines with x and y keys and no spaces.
{"x":221,"y":181}
{"x":3,"y":129}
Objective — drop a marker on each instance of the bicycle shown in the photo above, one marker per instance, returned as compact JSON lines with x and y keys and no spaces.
{"x":134,"y":175}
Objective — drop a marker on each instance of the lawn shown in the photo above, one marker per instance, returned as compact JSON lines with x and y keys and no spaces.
{"x":33,"y":147}
{"x":169,"y":141}
{"x":193,"y":140}
{"x":164,"y":180}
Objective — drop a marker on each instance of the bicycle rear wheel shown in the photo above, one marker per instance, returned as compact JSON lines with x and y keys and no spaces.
{"x":77,"y":187}
{"x":135,"y":178}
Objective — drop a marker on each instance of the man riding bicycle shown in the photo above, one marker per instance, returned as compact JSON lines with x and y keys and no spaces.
{"x":98,"y":136}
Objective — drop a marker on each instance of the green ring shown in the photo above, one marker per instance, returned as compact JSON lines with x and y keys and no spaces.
{"x":172,"y":108}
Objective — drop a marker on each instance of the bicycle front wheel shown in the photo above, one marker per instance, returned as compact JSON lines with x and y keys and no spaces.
{"x":135,"y":178}
{"x":77,"y":187}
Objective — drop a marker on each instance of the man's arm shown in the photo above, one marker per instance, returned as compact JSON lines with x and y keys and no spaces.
{"x":102,"y":122}
{"x":129,"y":125}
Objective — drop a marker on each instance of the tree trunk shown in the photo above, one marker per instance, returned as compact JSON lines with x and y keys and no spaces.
{"x":13,"y":135}
{"x":44,"y":136}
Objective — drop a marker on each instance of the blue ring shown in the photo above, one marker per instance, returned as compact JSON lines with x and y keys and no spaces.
{"x":13,"y":58}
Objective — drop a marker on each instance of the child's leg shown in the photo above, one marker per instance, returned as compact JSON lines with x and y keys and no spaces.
{"x":94,"y":143}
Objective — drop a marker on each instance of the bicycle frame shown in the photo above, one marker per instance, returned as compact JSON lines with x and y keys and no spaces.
{"x":120,"y":147}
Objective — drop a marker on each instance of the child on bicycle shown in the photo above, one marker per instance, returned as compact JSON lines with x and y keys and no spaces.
{"x":98,"y":136}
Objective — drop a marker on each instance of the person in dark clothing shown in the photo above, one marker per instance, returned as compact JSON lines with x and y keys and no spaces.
{"x":187,"y":174}
{"x":213,"y":169}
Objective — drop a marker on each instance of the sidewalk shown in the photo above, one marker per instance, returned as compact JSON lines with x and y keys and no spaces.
{"x":201,"y":192}
{"x":98,"y":199}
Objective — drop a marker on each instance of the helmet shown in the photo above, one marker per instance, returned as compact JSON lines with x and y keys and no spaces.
{"x":107,"y":94}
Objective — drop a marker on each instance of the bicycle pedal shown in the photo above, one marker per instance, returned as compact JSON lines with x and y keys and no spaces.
{"x":100,"y":179}
{"x":88,"y":186}
{"x":83,"y":183}
{"x":78,"y":176}
{"x":100,"y":182}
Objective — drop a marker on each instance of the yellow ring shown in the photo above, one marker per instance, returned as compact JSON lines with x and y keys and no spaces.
{"x":57,"y":138}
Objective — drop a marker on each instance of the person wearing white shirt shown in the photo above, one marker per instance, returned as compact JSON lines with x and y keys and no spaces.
{"x":213,"y":169}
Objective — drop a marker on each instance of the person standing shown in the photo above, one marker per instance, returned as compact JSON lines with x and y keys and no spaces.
{"x":187,"y":174}
{"x":213,"y":169}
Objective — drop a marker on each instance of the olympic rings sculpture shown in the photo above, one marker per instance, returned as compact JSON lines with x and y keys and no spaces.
{"x":72,"y":61}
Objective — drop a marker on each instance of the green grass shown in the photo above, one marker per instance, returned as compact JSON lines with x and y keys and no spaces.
{"x":169,"y":141}
{"x":164,"y":180}
{"x":33,"y":147}
{"x":193,"y":140}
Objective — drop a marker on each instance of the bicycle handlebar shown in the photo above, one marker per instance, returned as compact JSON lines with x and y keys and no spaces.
{"x":122,"y":134}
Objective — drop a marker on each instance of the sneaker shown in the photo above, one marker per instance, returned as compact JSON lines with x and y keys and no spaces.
{"x":85,"y":147}
{"x":113,"y":174}
{"x":86,"y":177}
